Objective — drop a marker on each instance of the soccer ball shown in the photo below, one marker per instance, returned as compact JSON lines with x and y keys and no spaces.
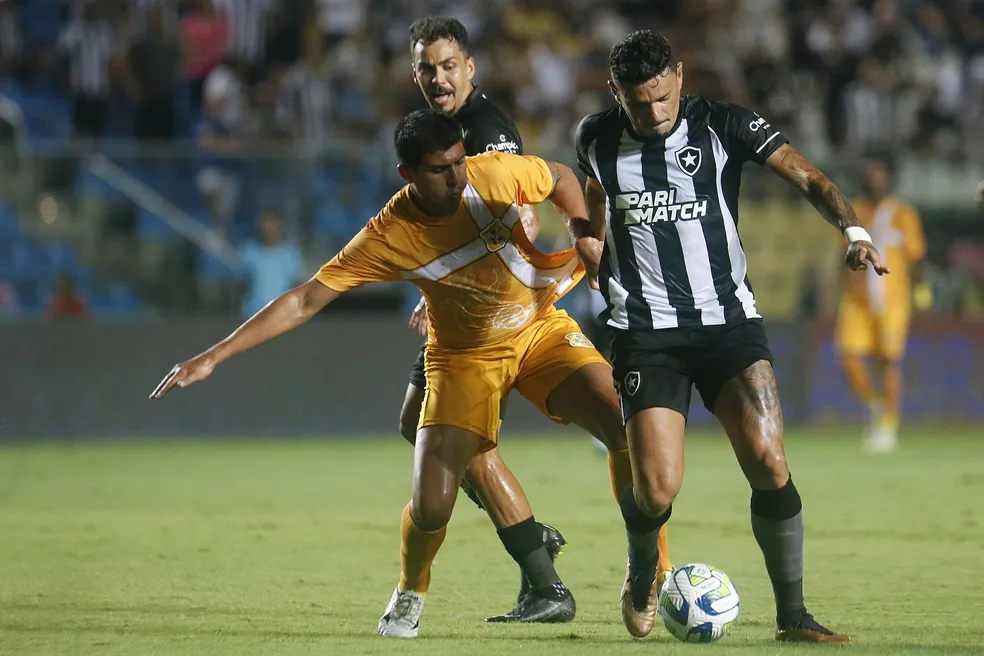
{"x":698,"y":603}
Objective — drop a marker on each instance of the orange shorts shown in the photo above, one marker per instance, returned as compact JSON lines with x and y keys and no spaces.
{"x":863,"y":332}
{"x":465,"y":387}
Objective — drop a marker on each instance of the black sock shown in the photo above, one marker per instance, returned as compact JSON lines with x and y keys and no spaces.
{"x":524,"y":542}
{"x":641,"y":529}
{"x":777,"y":523}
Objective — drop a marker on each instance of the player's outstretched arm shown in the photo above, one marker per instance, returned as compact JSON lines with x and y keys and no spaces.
{"x":283,"y":314}
{"x":833,"y":206}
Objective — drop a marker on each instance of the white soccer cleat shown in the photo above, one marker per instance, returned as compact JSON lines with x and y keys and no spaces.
{"x":881,"y":440}
{"x":402,"y":616}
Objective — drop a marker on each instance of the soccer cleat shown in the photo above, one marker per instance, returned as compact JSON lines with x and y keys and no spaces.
{"x":881,"y":440}
{"x":807,"y":629}
{"x":557,"y":607}
{"x":402,"y":616}
{"x":554,"y":543}
{"x":640,"y":598}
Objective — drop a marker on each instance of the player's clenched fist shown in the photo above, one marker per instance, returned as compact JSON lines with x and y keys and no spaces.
{"x":860,"y":253}
{"x":184,"y":374}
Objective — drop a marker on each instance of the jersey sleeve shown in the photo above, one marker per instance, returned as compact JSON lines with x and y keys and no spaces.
{"x":584,"y":137}
{"x":367,"y":258}
{"x":533,"y":177}
{"x":747,"y":135}
{"x":496,"y":133}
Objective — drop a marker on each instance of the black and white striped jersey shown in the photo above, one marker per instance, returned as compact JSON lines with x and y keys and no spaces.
{"x":672,"y":255}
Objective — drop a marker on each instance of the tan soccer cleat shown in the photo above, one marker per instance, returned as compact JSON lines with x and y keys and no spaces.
{"x":640,"y":601}
{"x":807,"y":629}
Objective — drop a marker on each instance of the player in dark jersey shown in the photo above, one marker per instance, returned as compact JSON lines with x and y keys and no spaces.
{"x":661,"y":238}
{"x":443,"y":70}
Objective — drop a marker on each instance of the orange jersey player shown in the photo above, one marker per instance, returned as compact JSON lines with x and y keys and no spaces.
{"x":873,"y":317}
{"x":454,"y":231}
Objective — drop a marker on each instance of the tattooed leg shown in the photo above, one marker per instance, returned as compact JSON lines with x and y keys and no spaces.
{"x":748,"y":407}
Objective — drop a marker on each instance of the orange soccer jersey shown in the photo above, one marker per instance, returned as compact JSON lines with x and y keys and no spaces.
{"x":490,"y":294}
{"x":481,"y":277}
{"x":874,"y":310}
{"x":897,"y":233}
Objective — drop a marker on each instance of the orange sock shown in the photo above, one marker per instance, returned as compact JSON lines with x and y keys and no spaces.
{"x":417,"y":552}
{"x":859,"y":378}
{"x":620,"y":471}
{"x":892,"y":385}
{"x":664,"y":549}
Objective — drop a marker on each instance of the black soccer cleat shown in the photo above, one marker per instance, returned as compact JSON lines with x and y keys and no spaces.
{"x":554,"y":543}
{"x":472,"y":494}
{"x":807,"y":629}
{"x":555,"y":607}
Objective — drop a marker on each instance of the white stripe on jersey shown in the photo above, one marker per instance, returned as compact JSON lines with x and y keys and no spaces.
{"x":510,"y":254}
{"x":616,"y":292}
{"x":448,"y":263}
{"x":630,"y":179}
{"x":695,"y":254}
{"x":739,"y":266}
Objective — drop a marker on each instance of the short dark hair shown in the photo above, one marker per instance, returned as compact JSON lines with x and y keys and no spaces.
{"x":423,"y":132}
{"x":433,"y":28}
{"x":639,"y":57}
{"x":885,"y":157}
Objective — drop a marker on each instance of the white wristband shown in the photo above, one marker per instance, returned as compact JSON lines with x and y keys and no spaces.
{"x":856,"y":233}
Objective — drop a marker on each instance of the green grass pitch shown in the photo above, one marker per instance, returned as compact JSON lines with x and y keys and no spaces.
{"x":293,"y":547}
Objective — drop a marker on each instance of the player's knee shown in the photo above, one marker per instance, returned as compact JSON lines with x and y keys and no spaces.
{"x":432,"y":512}
{"x":767,"y":469}
{"x":654,"y":496}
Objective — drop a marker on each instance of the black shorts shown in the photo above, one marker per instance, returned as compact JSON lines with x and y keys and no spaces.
{"x":419,"y":380}
{"x":417,"y":377}
{"x":656,"y":368}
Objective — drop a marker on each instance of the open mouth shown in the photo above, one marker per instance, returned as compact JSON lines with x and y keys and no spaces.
{"x":442,"y":98}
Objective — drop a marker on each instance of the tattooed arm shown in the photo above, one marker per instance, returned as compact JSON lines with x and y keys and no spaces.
{"x":833,"y":206}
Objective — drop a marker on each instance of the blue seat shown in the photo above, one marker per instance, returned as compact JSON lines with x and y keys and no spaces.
{"x":61,"y":257}
{"x":150,"y":226}
{"x":211,"y":268}
{"x":114,"y":300}
{"x":24,"y":261}
{"x":8,"y":221}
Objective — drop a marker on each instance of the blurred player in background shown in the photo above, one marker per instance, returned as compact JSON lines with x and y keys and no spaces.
{"x":444,"y":71}
{"x":455,"y":232}
{"x":873,"y":316}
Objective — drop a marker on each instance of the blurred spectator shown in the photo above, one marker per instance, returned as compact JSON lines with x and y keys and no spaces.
{"x":271,"y":266}
{"x":341,"y":18}
{"x":154,"y":68}
{"x":205,"y":35}
{"x":11,"y":44}
{"x":64,"y":302}
{"x":138,"y":12}
{"x":249,"y":22}
{"x":88,"y":43}
{"x":304,"y":99}
{"x":870,"y":108}
{"x":225,"y":124}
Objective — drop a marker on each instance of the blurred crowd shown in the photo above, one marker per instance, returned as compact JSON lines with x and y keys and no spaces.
{"x":839,"y":74}
{"x":233,"y":79}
